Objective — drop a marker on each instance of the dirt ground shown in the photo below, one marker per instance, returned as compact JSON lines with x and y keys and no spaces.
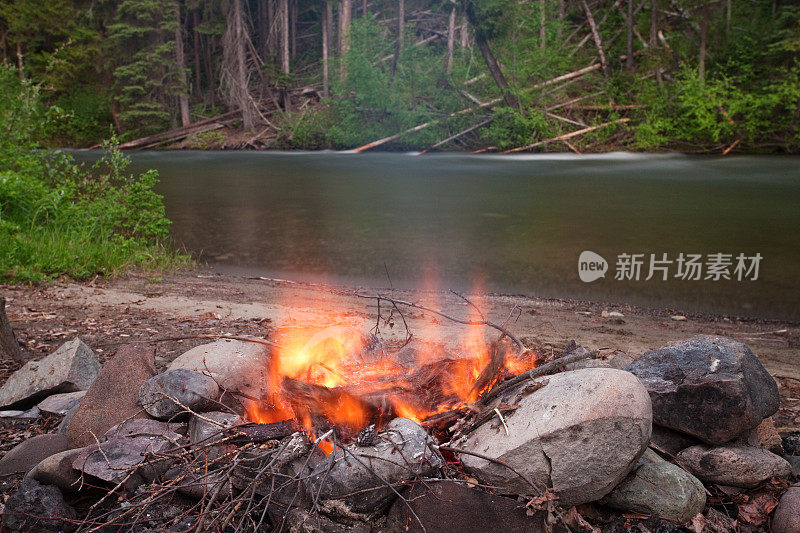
{"x":171,"y":310}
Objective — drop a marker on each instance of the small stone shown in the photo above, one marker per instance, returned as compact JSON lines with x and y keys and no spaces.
{"x":33,"y":412}
{"x":737,"y":465}
{"x":787,"y":515}
{"x":580,"y":434}
{"x":71,"y":368}
{"x":192,"y":390}
{"x":767,"y":436}
{"x":114,"y":396}
{"x":208,"y":428}
{"x":611,"y":314}
{"x":36,"y":507}
{"x":451,"y":506}
{"x":302,"y":521}
{"x":659,"y":488}
{"x":134,"y":458}
{"x":708,"y":386}
{"x":137,"y":427}
{"x":31,"y":452}
{"x":61,"y":404}
{"x":794,"y":462}
{"x":236,"y":365}
{"x":57,"y":470}
{"x":356,"y":478}
{"x":678,"y":318}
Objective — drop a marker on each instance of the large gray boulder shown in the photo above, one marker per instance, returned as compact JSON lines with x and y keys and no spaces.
{"x":737,"y":465}
{"x":357,"y":477}
{"x":659,"y":488}
{"x":580,"y":434}
{"x":71,"y":368}
{"x":236,"y":365}
{"x":176,"y":393}
{"x":708,"y":386}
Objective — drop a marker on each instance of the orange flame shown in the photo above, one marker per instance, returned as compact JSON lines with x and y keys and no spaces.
{"x":335,"y":362}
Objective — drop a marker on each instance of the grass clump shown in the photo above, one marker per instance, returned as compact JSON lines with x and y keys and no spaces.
{"x":58,"y":217}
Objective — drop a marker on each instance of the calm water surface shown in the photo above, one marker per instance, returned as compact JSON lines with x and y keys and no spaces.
{"x":513,"y":224}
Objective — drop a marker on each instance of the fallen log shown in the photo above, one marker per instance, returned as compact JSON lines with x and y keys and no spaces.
{"x":567,"y":135}
{"x":596,"y":36}
{"x":456,"y":136}
{"x":179,"y":133}
{"x":261,"y":433}
{"x":543,"y":370}
{"x":608,"y":107}
{"x":8,"y":342}
{"x":490,"y":103}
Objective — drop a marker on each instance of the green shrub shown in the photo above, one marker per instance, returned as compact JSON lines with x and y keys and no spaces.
{"x":59,"y":217}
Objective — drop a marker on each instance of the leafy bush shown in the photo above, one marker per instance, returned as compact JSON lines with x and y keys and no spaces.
{"x":721,"y":109}
{"x":58,"y":217}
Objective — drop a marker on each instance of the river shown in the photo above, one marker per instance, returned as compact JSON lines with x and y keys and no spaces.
{"x":513,"y":224}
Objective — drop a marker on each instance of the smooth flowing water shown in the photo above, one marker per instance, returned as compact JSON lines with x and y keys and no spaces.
{"x":509,"y":224}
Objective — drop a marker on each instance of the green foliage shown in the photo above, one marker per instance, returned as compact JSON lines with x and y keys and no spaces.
{"x":205,"y":140}
{"x":58,"y":217}
{"x":710,"y":111}
{"x":510,"y":128}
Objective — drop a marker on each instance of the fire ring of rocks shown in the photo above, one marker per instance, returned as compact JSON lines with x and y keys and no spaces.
{"x":331,"y":430}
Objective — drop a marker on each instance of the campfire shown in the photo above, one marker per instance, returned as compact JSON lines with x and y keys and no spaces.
{"x":324,"y":426}
{"x":340,"y":378}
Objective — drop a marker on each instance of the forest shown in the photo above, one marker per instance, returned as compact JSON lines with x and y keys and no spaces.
{"x":695,"y":76}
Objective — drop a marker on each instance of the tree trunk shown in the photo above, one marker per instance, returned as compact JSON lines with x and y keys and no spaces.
{"x":464,"y":32}
{"x":451,"y":37}
{"x":654,"y":23}
{"x":211,"y":94}
{"x":198,"y":88}
{"x":629,"y":48}
{"x":234,"y":64}
{"x":20,"y":64}
{"x":494,"y":68}
{"x":727,"y":18}
{"x":263,"y":27}
{"x":8,"y":342}
{"x":326,"y":15}
{"x":562,"y":12}
{"x":283,"y":15}
{"x":363,"y":8}
{"x":273,"y":16}
{"x":701,"y":67}
{"x":542,"y":23}
{"x":345,"y":12}
{"x":293,"y":27}
{"x":401,"y":23}
{"x":596,"y":36}
{"x":180,"y":60}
